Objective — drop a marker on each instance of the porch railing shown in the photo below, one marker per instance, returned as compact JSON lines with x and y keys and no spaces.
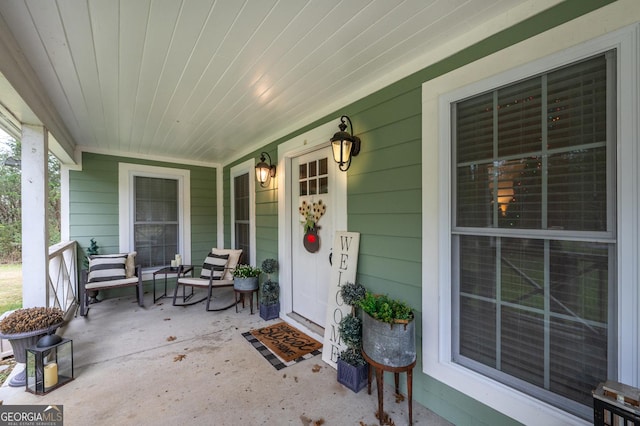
{"x":62,"y":288}
{"x":62,"y":285}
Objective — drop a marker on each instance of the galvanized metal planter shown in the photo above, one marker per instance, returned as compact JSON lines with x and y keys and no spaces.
{"x":245,"y":284}
{"x":393,"y":345}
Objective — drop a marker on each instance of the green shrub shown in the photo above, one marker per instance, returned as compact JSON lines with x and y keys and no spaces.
{"x":385,"y":309}
{"x":270,"y":293}
{"x":352,"y":293}
{"x":269,"y":266}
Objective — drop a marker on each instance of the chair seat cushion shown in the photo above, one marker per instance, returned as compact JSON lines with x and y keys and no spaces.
{"x":201,"y":282}
{"x":111,"y":283}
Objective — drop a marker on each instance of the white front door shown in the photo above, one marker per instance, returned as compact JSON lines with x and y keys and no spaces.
{"x":312,"y":180}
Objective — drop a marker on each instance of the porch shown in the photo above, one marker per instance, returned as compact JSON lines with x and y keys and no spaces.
{"x":126,"y":372}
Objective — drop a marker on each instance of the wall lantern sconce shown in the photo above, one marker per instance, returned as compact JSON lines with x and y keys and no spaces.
{"x":345,"y":145}
{"x":265,"y":171}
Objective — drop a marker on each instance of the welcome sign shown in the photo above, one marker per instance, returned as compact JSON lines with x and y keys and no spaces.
{"x":343,"y":270}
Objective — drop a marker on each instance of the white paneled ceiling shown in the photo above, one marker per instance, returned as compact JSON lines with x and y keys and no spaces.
{"x":209,"y":80}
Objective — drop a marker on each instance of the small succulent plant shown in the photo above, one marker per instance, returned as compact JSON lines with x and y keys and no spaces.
{"x":30,"y":319}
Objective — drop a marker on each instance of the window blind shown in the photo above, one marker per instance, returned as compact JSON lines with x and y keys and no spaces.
{"x":156,"y":220}
{"x":532,"y":304}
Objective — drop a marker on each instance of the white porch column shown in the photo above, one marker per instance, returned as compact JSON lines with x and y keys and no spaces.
{"x":35,"y":235}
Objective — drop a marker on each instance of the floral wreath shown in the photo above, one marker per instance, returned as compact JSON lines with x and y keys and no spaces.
{"x":311,"y":213}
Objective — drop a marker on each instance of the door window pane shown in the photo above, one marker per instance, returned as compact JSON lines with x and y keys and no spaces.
{"x":317,"y":179}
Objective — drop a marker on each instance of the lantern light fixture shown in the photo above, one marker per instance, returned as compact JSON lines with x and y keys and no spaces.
{"x":49,"y":364}
{"x":265,"y":171}
{"x":345,"y":145}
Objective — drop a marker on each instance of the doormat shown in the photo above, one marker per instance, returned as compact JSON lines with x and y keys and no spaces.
{"x":283,"y":345}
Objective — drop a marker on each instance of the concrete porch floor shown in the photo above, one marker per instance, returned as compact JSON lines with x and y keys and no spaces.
{"x":126,"y":374}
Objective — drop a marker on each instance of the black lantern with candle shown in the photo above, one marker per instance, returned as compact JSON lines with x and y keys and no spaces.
{"x":49,"y":367}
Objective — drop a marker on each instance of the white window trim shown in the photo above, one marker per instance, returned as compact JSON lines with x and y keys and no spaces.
{"x":437,"y":95}
{"x":126,"y":174}
{"x":238,"y":170}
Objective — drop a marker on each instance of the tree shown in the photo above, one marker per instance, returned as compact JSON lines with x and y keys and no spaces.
{"x":10,"y":202}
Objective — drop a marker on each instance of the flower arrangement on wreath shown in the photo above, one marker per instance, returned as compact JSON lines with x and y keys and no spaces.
{"x":311,"y":213}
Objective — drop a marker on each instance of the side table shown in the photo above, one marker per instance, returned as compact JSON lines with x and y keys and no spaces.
{"x":380,"y":369}
{"x":166,"y":271}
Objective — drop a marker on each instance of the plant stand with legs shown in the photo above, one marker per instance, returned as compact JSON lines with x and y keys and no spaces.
{"x":380,"y":369}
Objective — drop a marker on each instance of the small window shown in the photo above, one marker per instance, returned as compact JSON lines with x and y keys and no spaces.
{"x":241,"y":213}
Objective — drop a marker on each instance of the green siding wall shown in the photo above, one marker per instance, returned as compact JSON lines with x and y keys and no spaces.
{"x":384,"y":195}
{"x":93,"y":203}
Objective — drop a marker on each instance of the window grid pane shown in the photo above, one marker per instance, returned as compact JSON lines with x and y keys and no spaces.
{"x":241,"y":213}
{"x":535,"y":311}
{"x":156,"y":220}
{"x":313,"y":177}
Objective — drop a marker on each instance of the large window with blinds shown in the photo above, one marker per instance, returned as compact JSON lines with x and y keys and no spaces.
{"x":156,"y":224}
{"x":533,"y":232}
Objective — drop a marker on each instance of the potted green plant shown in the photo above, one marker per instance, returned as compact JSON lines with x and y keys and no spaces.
{"x":388,"y":330}
{"x":23,"y":328}
{"x":270,"y":292}
{"x":352,"y":367}
{"x":92,"y":250}
{"x":245,"y":277}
